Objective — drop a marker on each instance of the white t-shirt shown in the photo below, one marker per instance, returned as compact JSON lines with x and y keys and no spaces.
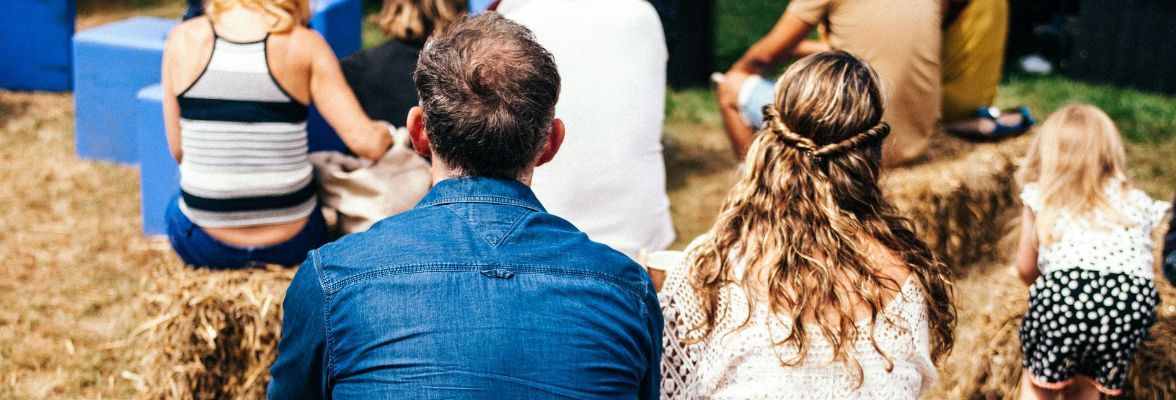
{"x":609,"y":177}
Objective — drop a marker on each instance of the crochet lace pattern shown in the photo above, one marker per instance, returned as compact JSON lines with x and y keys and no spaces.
{"x":743,"y":363}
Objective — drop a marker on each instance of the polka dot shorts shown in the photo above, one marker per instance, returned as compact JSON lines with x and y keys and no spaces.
{"x":1087,"y":323}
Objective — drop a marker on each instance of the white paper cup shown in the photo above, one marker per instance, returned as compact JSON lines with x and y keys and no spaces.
{"x":660,"y":262}
{"x":665,"y":260}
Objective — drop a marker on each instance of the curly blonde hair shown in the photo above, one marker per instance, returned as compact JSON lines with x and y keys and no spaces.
{"x":808,"y":212}
{"x":416,"y":20}
{"x":288,"y":13}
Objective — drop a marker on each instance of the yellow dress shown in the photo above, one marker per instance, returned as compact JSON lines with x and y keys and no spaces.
{"x":972,"y":57}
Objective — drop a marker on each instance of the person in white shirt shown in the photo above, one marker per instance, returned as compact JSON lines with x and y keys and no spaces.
{"x":609,"y":178}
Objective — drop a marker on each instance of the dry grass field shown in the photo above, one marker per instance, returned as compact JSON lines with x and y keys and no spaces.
{"x":73,"y":261}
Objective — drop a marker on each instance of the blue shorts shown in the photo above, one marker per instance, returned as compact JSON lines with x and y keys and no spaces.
{"x":197,"y":248}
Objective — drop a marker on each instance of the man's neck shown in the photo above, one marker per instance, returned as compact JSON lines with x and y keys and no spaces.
{"x":440,"y":171}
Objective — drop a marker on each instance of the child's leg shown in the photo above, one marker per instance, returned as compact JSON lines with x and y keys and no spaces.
{"x":1029,"y":391}
{"x":1081,"y":389}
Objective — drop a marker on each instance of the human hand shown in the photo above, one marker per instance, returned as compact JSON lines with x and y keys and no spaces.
{"x":387,"y":128}
{"x":387,"y":134}
{"x":728,"y":89}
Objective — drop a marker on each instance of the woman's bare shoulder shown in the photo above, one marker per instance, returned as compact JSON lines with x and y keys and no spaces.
{"x":300,"y":46}
{"x":305,"y":40}
{"x":190,"y":33}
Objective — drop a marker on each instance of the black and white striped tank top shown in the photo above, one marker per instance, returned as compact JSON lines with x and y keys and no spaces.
{"x":244,"y":140}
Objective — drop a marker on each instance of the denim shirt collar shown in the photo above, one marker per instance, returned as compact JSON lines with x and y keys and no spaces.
{"x":481,"y":190}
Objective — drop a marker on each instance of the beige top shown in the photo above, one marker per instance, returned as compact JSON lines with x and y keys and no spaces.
{"x":901,"y":41}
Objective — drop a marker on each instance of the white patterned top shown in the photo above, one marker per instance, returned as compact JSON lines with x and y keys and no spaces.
{"x":743,"y":363}
{"x":1102,"y":242}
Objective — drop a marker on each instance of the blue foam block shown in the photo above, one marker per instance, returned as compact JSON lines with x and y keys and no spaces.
{"x":34,"y":44}
{"x":111,"y":63}
{"x":159,"y":177}
{"x":477,"y":6}
{"x":340,"y":22}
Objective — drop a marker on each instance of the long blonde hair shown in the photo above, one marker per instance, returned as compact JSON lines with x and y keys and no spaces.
{"x":808,"y":209}
{"x":416,"y":20}
{"x":288,"y":13}
{"x":1074,"y":155}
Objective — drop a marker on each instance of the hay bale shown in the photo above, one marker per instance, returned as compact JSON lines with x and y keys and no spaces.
{"x":986,"y":361}
{"x":1153,"y":372}
{"x":961,"y":198}
{"x":211,"y":334}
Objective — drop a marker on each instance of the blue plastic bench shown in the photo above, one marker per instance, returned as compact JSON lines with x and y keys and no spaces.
{"x":111,"y":63}
{"x":159,"y":177}
{"x":34,"y":44}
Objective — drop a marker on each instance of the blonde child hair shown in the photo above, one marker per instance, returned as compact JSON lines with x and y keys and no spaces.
{"x":288,"y":13}
{"x":416,"y":20}
{"x":1075,"y":153}
{"x":809,"y":215}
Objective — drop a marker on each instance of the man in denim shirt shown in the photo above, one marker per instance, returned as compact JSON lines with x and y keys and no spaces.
{"x":477,"y":293}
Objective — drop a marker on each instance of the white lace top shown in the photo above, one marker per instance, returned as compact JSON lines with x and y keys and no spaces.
{"x":744,"y":363}
{"x":1101,"y":243}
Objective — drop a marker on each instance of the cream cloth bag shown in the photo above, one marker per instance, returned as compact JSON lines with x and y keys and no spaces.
{"x":356,"y":193}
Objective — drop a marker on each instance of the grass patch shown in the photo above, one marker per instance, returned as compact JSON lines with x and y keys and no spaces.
{"x":1142,"y":117}
{"x":739,"y":24}
{"x":92,"y":13}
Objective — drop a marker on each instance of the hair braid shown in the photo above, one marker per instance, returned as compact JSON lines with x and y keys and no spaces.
{"x":776,"y":125}
{"x":773,"y":122}
{"x":868,"y":137}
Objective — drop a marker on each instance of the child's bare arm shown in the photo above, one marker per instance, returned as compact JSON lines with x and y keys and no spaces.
{"x":1027,"y":248}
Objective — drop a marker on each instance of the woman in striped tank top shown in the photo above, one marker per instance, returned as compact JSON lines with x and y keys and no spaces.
{"x":237,"y":84}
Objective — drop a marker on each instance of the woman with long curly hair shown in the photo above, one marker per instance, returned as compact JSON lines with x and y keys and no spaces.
{"x":809,"y":284}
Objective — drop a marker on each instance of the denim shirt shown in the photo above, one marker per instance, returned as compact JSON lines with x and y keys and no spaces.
{"x":477,"y":293}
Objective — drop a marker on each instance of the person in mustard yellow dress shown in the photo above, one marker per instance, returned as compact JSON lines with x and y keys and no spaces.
{"x":971,"y":59}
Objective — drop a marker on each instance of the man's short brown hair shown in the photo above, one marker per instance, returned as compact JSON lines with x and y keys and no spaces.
{"x":488,"y":91}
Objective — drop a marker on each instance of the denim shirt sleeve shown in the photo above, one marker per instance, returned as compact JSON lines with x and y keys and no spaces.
{"x":651,"y":382}
{"x":300,"y":372}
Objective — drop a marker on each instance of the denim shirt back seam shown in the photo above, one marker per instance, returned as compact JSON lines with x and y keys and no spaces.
{"x":628,"y":287}
{"x":502,"y":200}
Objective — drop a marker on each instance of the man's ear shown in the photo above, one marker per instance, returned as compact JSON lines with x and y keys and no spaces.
{"x":416,"y":132}
{"x":554,"y":140}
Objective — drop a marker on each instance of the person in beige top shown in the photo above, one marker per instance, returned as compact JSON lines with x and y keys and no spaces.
{"x":900,"y":39}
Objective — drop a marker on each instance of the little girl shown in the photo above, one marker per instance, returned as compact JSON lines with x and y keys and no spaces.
{"x":1086,"y":252}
